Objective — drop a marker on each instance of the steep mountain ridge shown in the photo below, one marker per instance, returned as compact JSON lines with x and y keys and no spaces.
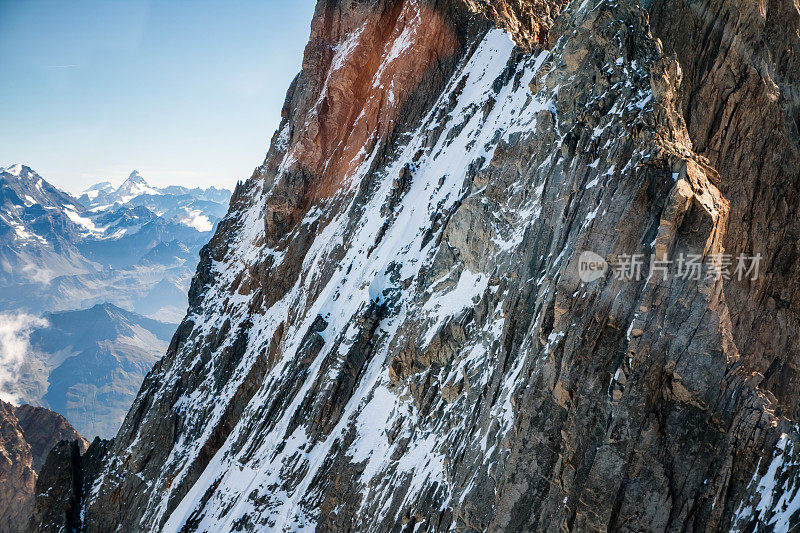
{"x":390,"y":331}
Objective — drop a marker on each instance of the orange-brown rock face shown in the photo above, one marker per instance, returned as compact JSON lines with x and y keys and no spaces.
{"x":372,"y":61}
{"x":26,"y":436}
{"x":366,"y":66}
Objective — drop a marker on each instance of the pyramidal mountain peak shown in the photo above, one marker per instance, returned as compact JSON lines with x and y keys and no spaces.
{"x":135,"y":185}
{"x":135,"y":177}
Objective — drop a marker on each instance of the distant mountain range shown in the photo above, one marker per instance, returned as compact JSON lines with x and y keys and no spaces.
{"x":108,"y":273}
{"x":58,"y":252}
{"x":104,"y":195}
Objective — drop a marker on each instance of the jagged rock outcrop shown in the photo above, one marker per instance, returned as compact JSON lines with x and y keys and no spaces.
{"x":528,"y":21}
{"x":390,"y":330}
{"x":26,"y":436}
{"x":66,"y":478}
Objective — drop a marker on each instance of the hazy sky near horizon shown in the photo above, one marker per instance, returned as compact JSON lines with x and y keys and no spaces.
{"x":188,"y":93}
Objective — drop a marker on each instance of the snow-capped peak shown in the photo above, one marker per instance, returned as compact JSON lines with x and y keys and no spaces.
{"x":135,"y":186}
{"x":135,"y":177}
{"x":18,"y":170}
{"x":102,"y":186}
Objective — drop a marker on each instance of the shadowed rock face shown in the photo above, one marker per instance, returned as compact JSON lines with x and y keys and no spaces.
{"x":27,"y":434}
{"x":741,"y":101}
{"x":389,"y":330}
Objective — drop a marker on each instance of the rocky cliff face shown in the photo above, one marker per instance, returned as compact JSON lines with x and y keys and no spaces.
{"x":27,"y":434}
{"x":389,"y":331}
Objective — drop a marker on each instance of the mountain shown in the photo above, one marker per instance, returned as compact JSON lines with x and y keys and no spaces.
{"x":88,"y":365}
{"x":22,"y":184}
{"x":133,"y":187}
{"x":103,"y":195}
{"x":97,"y":188}
{"x":487,"y":279}
{"x":98,"y":194}
{"x":59,"y":253}
{"x":27,"y":434}
{"x":39,"y":229}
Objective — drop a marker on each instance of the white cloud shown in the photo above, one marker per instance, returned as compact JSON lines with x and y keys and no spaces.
{"x":15,"y":331}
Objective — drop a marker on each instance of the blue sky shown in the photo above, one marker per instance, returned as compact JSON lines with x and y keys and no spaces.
{"x":186,"y":92}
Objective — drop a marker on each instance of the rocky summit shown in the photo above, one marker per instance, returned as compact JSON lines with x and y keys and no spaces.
{"x":27,"y":434}
{"x":524,"y":265}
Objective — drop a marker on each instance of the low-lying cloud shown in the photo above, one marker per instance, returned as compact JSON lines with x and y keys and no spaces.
{"x":15,"y":332}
